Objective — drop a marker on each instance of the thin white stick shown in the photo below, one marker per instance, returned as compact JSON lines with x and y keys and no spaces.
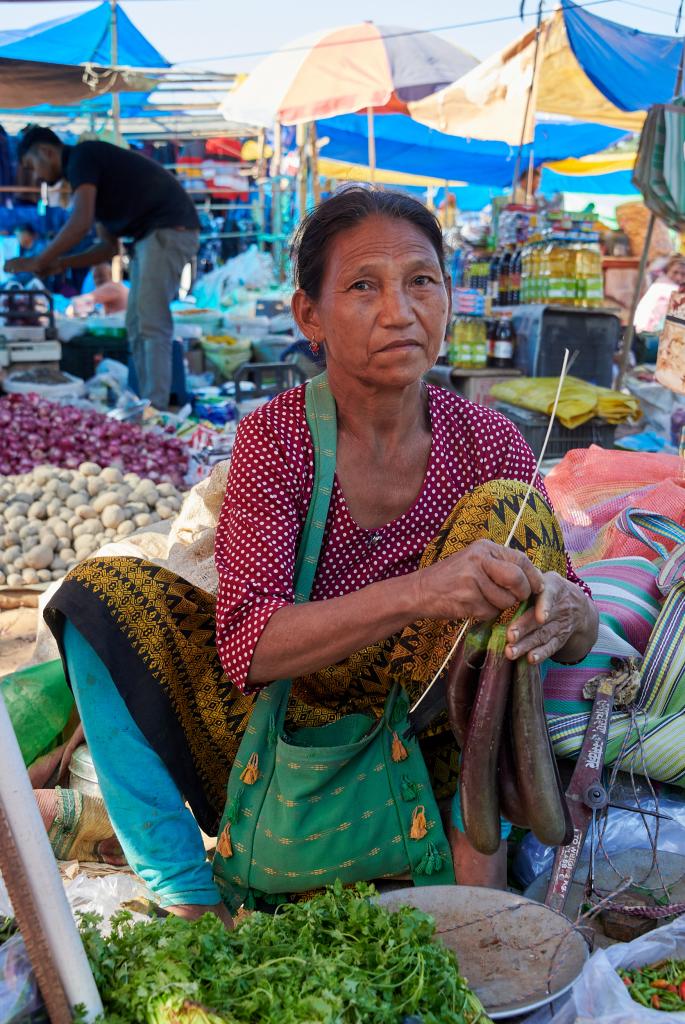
{"x":462,"y":631}
{"x":57,"y":923}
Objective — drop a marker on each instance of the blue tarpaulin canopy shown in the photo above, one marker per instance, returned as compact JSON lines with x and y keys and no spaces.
{"x":616,"y":183}
{"x":85,"y":38}
{"x":405,"y":145}
{"x":632,"y":69}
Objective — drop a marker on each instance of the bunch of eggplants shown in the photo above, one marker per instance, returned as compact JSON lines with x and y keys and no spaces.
{"x":496,"y":711}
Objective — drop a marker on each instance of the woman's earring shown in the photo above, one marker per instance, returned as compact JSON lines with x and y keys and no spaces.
{"x":314,"y":346}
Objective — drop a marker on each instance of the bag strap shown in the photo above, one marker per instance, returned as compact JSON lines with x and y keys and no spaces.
{"x":637,"y":522}
{"x":321,"y":420}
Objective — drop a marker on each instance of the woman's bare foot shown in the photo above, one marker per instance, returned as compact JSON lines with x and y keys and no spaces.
{"x":473,"y":868}
{"x":193,"y":911}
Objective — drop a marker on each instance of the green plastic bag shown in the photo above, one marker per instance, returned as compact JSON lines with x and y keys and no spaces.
{"x":39,"y":703}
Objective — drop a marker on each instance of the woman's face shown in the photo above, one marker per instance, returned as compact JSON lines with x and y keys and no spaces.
{"x":384,"y":304}
{"x":677,"y":273}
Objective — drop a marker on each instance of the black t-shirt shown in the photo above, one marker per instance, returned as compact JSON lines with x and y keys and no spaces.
{"x":134,"y":194}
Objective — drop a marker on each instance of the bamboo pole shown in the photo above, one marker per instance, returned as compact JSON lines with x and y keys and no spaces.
{"x":314,"y":164}
{"x":261,"y":197}
{"x":371,"y":144}
{"x":529,"y":179}
{"x":276,"y":219}
{"x":114,"y":40}
{"x":301,"y":142}
{"x":529,"y":100}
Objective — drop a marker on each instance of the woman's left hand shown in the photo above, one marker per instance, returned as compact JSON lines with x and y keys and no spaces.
{"x":562,"y":621}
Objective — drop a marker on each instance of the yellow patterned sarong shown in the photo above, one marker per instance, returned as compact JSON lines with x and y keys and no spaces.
{"x":155,"y":633}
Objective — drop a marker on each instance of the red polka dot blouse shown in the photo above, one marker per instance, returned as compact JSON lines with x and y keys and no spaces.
{"x":267,"y":497}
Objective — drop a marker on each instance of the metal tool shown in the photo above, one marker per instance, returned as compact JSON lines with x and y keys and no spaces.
{"x":587,"y":796}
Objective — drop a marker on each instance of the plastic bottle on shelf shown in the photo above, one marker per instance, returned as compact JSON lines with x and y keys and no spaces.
{"x":459,"y":356}
{"x":515,"y":279}
{"x":526,"y":277}
{"x":482,"y":274}
{"x":532,"y":287}
{"x":543,"y":290}
{"x":452,"y":343}
{"x":579,"y":275}
{"x":595,"y":277}
{"x":479,"y":351}
{"x":570,"y":289}
{"x":505,"y":340}
{"x":491,"y":335}
{"x":469,"y":342}
{"x":504,"y":279}
{"x":557,"y":271}
{"x":493,"y":278}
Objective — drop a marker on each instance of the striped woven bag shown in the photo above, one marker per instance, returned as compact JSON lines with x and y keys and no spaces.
{"x":663,"y":666}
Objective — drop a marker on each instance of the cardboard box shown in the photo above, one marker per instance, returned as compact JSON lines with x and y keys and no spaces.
{"x":475,"y":384}
{"x":670,"y":359}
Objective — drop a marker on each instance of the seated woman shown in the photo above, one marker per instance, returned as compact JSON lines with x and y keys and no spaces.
{"x":165,"y":676}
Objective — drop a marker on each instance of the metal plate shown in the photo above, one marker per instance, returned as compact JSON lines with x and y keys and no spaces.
{"x":517,"y":954}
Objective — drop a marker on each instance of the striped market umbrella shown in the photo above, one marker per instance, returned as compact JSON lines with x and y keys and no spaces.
{"x":344,"y":70}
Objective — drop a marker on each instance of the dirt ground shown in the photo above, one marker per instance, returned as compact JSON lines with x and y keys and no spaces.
{"x":17,"y":636}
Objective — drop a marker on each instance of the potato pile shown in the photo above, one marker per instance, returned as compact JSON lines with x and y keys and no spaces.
{"x":52,"y":518}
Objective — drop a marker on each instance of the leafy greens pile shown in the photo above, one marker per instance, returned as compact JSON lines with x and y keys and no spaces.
{"x":337,"y":959}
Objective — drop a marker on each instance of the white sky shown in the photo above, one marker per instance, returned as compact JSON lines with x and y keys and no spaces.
{"x":190,"y":30}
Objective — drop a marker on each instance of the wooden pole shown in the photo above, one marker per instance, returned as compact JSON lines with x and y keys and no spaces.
{"x":301,"y":142}
{"x":314,"y":157}
{"x":261,"y":198}
{"x":276,"y":219}
{"x":630,"y":329}
{"x":114,"y":40}
{"x":529,"y":100}
{"x":371,"y":144}
{"x":529,"y":179}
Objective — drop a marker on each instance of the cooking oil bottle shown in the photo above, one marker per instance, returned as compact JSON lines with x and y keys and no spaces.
{"x":557,"y":274}
{"x":595,"y":278}
{"x":479,"y":350}
{"x":537,"y":272}
{"x":525,"y":273}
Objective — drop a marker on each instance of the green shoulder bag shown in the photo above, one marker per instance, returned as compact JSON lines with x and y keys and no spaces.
{"x":348,"y":800}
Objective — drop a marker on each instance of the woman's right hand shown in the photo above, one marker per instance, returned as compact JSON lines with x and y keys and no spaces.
{"x":477,"y":583}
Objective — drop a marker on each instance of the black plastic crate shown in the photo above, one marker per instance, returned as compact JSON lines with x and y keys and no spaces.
{"x":533,"y":426}
{"x":81,"y":354}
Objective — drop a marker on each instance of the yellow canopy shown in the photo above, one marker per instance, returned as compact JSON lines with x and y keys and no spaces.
{"x":489,"y":102}
{"x":358,"y":172}
{"x":601,"y":163}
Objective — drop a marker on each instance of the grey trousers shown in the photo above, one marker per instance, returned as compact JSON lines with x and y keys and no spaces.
{"x":155,"y":273}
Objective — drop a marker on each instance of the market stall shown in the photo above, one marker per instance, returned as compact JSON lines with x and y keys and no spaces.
{"x":89,"y":470}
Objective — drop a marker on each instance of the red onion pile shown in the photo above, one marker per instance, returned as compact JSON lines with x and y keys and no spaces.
{"x":37,"y":432}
